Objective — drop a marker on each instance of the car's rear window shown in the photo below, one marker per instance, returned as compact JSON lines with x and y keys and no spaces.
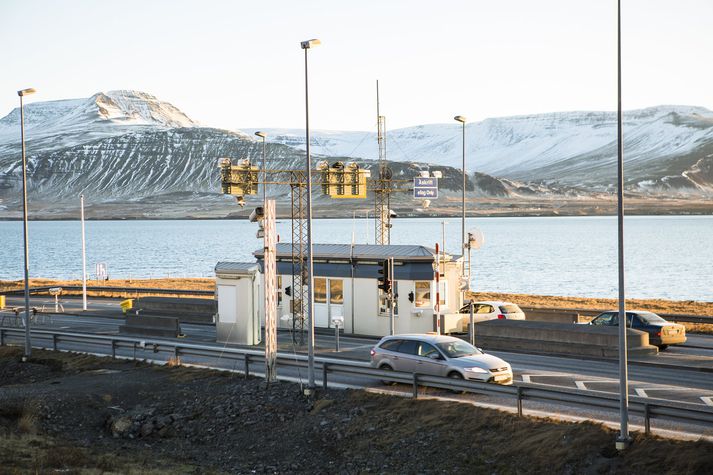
{"x":512,"y":308}
{"x":391,"y":345}
{"x":649,"y":317}
{"x":410,"y":347}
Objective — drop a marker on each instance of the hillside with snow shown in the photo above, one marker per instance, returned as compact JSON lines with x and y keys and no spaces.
{"x":139,"y":156}
{"x":666,"y":147}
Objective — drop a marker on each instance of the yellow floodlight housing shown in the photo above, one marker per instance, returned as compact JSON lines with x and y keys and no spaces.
{"x":240,"y":179}
{"x":346,"y":181}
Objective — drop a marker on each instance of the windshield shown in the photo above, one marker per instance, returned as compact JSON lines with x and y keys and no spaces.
{"x":457,"y":349}
{"x":649,"y":317}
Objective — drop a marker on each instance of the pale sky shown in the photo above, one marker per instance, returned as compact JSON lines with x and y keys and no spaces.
{"x":238,"y":64}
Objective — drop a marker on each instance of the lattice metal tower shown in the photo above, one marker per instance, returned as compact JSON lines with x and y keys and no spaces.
{"x":298,"y":188}
{"x":382,"y":191}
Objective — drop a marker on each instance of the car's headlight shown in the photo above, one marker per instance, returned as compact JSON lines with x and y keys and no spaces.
{"x":475,"y":369}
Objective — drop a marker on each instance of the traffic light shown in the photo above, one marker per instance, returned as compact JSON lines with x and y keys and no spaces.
{"x":385,"y":276}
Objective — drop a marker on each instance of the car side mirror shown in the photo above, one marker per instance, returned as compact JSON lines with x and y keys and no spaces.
{"x":434,"y":356}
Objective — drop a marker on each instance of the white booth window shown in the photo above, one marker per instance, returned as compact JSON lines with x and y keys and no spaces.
{"x":384,"y":301}
{"x":336,"y":291}
{"x":320,"y":290}
{"x":423,"y":293}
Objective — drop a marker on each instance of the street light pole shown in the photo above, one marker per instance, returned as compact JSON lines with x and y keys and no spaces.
{"x":84,"y":256}
{"x":28,"y":342}
{"x":264,"y":170}
{"x":462,"y":120}
{"x":623,"y":441}
{"x":306,"y":45}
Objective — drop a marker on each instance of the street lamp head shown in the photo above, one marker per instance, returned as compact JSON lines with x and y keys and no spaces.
{"x":26,"y":92}
{"x":261,"y":134}
{"x":460,"y":118}
{"x":310,"y":43}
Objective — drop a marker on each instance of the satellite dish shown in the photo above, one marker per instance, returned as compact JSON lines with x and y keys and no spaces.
{"x":476,"y":239}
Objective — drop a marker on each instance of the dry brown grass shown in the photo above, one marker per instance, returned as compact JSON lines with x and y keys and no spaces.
{"x":687,"y":307}
{"x":201,"y":284}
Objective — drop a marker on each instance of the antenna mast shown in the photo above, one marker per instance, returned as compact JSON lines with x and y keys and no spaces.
{"x":382,"y":192}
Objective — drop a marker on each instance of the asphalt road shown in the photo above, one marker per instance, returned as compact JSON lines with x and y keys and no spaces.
{"x":674,"y":375}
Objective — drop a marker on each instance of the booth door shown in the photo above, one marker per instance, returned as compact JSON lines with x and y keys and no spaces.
{"x":328,"y":300}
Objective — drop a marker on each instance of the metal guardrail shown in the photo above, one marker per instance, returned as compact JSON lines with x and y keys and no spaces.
{"x":588,"y":312}
{"x":646,"y":407}
{"x":127,"y":290}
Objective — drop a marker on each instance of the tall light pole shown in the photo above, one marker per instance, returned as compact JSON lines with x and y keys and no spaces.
{"x":462,"y":120}
{"x":623,"y":440}
{"x":28,"y":343}
{"x":264,"y":170}
{"x":306,"y":45}
{"x":84,"y":256}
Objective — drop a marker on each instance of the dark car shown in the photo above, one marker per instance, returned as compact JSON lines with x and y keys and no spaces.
{"x":661,"y":332}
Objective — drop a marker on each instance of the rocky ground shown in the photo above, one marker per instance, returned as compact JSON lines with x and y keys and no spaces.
{"x":81,"y":414}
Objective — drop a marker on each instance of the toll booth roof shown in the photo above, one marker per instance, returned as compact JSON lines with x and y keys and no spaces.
{"x":236,"y":268}
{"x":401,"y":252}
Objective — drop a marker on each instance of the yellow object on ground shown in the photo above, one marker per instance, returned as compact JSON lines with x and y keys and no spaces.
{"x":126,"y":305}
{"x":2,"y":302}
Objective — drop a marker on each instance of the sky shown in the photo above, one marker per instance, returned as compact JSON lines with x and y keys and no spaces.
{"x":238,"y":64}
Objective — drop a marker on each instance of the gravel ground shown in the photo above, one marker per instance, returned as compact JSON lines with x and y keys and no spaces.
{"x":187,"y":420}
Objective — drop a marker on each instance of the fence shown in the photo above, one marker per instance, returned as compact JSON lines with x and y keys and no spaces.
{"x":520,"y":392}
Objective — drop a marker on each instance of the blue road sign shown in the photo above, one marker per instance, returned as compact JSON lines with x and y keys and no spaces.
{"x":425,"y":187}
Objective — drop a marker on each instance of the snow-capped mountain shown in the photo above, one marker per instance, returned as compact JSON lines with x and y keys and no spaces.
{"x":54,"y":125}
{"x":128,"y":148}
{"x":665,"y":146}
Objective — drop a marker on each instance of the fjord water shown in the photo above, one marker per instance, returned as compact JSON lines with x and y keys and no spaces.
{"x":668,"y":257}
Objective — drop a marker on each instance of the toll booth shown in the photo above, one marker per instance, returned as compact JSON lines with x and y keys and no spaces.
{"x":238,"y":293}
{"x":345,"y":285}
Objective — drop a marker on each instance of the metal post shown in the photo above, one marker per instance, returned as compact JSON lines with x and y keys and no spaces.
{"x":519,"y":401}
{"x":84,"y":256}
{"x":463,"y":199}
{"x":324,"y":376}
{"x":28,"y":342}
{"x":309,"y":269}
{"x":623,"y":440}
{"x":390,"y":297}
{"x":471,"y":331}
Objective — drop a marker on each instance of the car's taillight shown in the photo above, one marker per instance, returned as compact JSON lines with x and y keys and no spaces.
{"x":372,"y":352}
{"x":501,"y":316}
{"x":658,"y":333}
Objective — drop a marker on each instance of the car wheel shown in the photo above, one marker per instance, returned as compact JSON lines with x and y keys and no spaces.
{"x":456,"y":375}
{"x":385,"y":367}
{"x":662,"y":347}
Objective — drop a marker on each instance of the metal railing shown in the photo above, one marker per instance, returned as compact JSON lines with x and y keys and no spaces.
{"x":112,"y":345}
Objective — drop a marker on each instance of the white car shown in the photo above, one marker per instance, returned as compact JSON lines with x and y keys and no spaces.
{"x":493,"y":310}
{"x":439,"y":355}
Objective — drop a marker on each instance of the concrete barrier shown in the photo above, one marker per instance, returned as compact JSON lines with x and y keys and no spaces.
{"x":151,"y":326}
{"x":559,"y":338}
{"x":186,"y":310}
{"x":552,"y":315}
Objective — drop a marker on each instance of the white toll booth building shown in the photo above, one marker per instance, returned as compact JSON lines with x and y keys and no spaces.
{"x":345,"y":284}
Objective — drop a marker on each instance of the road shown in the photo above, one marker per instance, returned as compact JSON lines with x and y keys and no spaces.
{"x":674,"y":375}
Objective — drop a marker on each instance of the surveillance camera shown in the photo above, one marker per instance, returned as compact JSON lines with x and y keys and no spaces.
{"x":241,"y":201}
{"x":258,"y":214}
{"x":392,"y":214}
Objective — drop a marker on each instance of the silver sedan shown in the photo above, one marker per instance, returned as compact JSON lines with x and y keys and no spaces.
{"x":439,"y":355}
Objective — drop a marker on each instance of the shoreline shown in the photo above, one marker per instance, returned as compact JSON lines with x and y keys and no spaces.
{"x":689,"y":307}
